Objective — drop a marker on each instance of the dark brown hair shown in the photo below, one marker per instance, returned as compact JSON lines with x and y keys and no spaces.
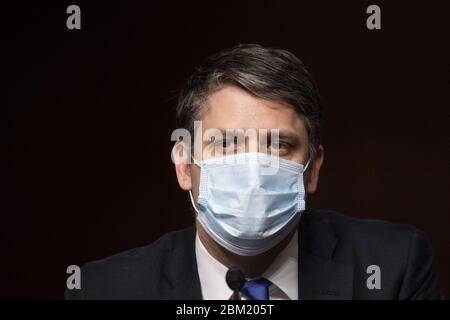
{"x":267,"y":73}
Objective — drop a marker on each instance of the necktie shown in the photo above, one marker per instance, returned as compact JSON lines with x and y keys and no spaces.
{"x":257,"y":289}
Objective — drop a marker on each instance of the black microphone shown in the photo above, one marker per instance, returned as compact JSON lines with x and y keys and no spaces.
{"x":235,"y":280}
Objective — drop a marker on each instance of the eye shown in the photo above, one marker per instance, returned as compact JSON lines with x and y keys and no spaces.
{"x":281,"y":145}
{"x":282,"y":148}
{"x":228,"y":144}
{"x":225,"y":144}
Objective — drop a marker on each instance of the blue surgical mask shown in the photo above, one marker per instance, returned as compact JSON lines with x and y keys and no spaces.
{"x":249,"y":202}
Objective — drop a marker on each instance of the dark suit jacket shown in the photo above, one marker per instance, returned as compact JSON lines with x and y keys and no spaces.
{"x":334,"y":253}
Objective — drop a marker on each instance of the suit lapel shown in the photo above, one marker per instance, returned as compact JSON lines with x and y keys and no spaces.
{"x":180,"y":275}
{"x":320,"y":277}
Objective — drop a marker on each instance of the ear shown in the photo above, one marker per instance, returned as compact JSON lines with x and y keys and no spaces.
{"x":180,"y":156}
{"x":312,"y":180}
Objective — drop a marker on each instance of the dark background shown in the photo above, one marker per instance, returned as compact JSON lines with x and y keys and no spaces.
{"x":90,"y":113}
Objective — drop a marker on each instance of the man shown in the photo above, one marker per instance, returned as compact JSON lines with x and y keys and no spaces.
{"x":248,"y":193}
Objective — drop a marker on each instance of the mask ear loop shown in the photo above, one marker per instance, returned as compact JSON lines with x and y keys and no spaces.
{"x":307,"y":165}
{"x":192,"y":201}
{"x":190,"y":191}
{"x":196,"y":162}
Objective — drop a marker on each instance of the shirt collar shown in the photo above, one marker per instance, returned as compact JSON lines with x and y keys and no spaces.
{"x":283,"y":272}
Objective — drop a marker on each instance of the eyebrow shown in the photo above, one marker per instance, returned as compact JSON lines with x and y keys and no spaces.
{"x":290,"y":136}
{"x":283,"y":134}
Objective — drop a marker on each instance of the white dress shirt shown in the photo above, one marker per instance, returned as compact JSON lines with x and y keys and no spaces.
{"x":283,"y":273}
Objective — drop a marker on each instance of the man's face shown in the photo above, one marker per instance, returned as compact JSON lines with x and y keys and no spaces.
{"x":234,"y":108}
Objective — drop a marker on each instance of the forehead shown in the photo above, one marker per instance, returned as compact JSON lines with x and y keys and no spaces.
{"x":234,"y":108}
